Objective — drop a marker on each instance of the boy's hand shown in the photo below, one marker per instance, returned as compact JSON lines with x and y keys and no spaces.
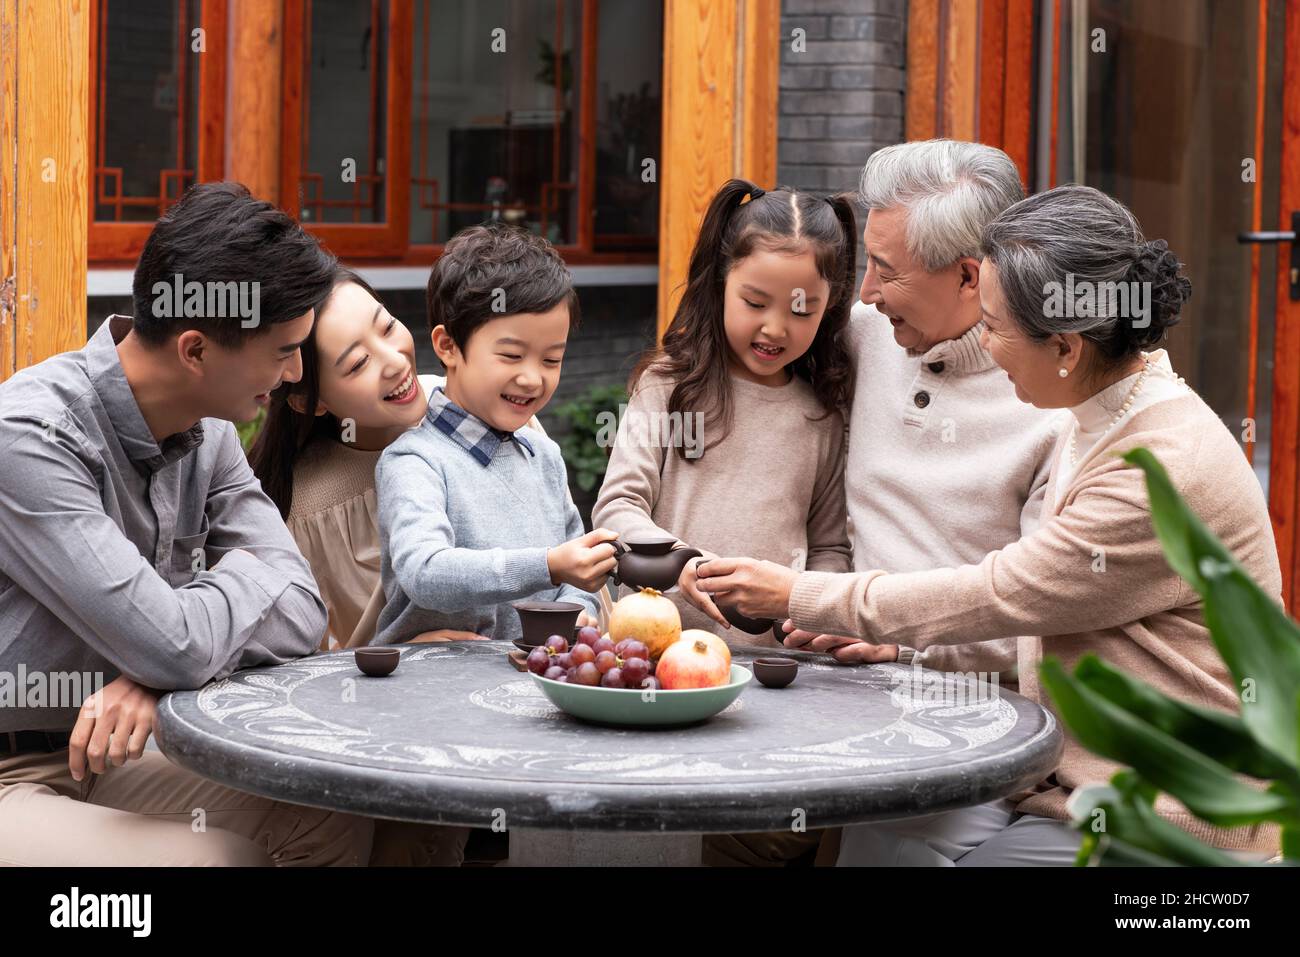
{"x":688,"y":583}
{"x":585,"y":621}
{"x":583,"y":562}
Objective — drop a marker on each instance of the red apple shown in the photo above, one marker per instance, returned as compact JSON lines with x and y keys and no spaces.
{"x":692,"y":663}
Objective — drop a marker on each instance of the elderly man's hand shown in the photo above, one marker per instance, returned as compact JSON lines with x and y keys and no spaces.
{"x":844,"y":649}
{"x":756,"y":589}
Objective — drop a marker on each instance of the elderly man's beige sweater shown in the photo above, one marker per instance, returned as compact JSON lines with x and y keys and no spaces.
{"x":945,"y":465}
{"x":1137,"y":614}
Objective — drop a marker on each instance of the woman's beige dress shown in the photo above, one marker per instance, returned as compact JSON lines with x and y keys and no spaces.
{"x":334,"y":519}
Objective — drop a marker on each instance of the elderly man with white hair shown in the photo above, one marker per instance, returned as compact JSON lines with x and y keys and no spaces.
{"x":945,"y":464}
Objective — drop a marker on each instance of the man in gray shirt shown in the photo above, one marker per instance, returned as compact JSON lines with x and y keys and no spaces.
{"x":139,"y":554}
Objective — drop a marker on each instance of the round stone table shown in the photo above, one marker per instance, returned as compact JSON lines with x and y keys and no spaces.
{"x":457,"y":736}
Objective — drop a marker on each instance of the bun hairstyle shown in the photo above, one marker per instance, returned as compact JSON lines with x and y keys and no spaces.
{"x":1072,"y":259}
{"x":741,"y":219}
{"x":1157,"y":265}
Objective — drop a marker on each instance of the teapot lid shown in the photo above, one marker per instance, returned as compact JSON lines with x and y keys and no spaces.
{"x":650,"y":544}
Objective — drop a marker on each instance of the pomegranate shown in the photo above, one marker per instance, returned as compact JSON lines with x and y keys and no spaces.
{"x":692,"y":663}
{"x":716,"y":643}
{"x":648,"y":617}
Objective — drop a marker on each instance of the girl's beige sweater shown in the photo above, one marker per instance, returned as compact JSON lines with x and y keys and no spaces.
{"x":772,"y":488}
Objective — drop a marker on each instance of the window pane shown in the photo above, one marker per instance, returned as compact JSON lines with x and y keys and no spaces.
{"x":147,"y":92}
{"x":629,"y":108}
{"x":344,"y":135}
{"x":1170,"y":116}
{"x":494,"y":116}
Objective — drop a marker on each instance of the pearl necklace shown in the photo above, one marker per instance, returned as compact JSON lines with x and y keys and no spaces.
{"x":1123,"y":409}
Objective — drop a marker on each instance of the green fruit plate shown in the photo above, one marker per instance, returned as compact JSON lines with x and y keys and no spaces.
{"x":644,"y":708}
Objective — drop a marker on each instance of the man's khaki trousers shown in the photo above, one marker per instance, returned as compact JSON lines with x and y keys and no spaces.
{"x":151,"y":812}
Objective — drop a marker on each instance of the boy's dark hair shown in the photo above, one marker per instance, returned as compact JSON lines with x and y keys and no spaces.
{"x":218,"y":235}
{"x":477,"y":262}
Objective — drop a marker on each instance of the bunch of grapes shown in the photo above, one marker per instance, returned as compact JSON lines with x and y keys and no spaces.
{"x":595,"y":660}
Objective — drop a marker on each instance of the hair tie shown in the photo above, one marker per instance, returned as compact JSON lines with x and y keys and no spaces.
{"x":756,"y":192}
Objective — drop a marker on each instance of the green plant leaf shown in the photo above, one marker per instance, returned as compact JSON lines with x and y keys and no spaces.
{"x":1258,"y":642}
{"x":1205,"y":787}
{"x":1217,"y":734}
{"x":1261,"y":647}
{"x":1132,"y":833}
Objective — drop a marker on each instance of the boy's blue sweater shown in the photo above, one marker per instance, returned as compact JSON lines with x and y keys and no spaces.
{"x":460,"y":540}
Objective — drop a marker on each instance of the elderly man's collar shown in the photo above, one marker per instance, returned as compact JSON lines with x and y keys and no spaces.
{"x":962,"y":355}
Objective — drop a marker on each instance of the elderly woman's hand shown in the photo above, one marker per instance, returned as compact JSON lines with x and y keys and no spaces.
{"x":689,"y":583}
{"x":844,"y":649}
{"x":445,"y":634}
{"x":756,"y":589}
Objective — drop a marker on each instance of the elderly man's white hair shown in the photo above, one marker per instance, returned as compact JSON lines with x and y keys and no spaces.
{"x":950,"y":189}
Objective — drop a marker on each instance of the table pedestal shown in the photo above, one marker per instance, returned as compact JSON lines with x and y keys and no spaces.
{"x":530,"y":847}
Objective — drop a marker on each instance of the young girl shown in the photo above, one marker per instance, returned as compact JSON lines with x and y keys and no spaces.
{"x":748,"y":387}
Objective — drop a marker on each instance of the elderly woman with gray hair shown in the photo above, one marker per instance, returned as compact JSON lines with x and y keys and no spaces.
{"x":1053,"y":269}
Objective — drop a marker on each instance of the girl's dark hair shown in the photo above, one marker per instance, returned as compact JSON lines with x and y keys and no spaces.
{"x":694,"y":349}
{"x":286,"y":433}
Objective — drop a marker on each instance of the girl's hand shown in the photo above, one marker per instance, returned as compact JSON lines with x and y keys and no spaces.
{"x":756,"y":589}
{"x":445,"y":634}
{"x":688,"y":582}
{"x":585,"y":621}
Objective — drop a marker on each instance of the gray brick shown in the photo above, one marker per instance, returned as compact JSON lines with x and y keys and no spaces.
{"x":814,"y":28}
{"x":827,"y":152}
{"x":846,"y":51}
{"x":862,"y":77}
{"x":801,"y":128}
{"x":794,"y":7}
{"x":880,"y":129}
{"x":826,"y":179}
{"x":803,"y":77}
{"x":861,"y":102}
{"x":883,"y":29}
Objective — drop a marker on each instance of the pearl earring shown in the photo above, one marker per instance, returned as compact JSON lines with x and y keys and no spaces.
{"x":1063,"y":372}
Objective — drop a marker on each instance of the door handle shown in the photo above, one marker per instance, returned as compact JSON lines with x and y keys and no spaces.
{"x":1282,"y":236}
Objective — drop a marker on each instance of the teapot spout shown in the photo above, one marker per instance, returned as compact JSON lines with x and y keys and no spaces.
{"x":683,"y":555}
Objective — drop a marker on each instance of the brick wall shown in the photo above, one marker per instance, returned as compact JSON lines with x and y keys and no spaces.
{"x":842,"y":97}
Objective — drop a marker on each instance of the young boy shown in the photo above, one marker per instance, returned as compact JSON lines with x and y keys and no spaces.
{"x":474,"y":510}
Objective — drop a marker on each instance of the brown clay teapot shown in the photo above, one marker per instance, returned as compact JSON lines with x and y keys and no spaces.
{"x":651,"y":561}
{"x":753,"y":626}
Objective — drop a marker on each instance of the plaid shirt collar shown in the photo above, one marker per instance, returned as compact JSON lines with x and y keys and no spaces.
{"x":469,"y":432}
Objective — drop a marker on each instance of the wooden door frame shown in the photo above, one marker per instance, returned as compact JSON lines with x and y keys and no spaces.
{"x":44,"y":173}
{"x":1283,"y":488}
{"x":721,"y":66}
{"x":970,"y":74}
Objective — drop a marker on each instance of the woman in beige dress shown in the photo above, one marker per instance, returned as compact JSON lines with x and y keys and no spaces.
{"x":316,"y":455}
